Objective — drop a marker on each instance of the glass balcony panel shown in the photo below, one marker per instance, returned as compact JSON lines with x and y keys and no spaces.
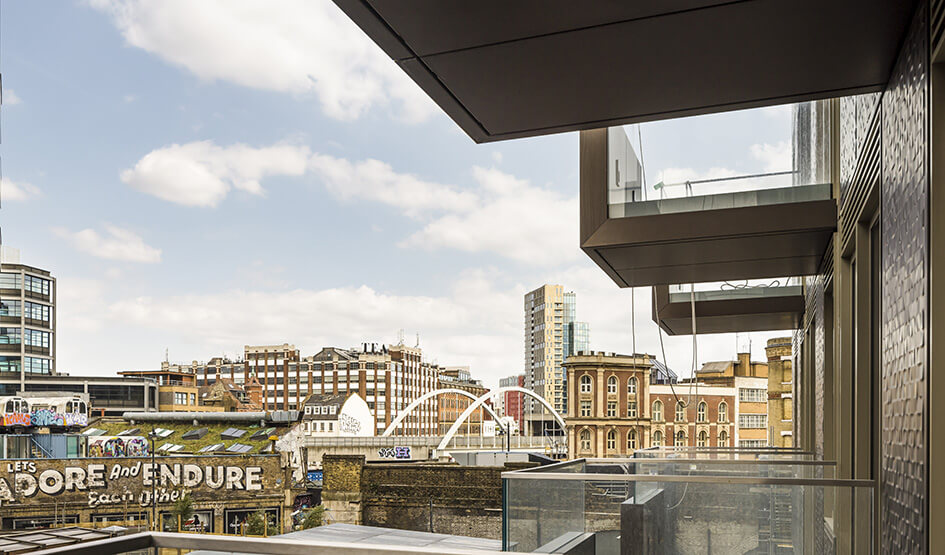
{"x":670,"y":225}
{"x":687,"y":513}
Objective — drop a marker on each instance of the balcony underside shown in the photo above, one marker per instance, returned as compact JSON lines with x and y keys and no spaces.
{"x":714,"y":245}
{"x":503,"y":69}
{"x":777,"y":310}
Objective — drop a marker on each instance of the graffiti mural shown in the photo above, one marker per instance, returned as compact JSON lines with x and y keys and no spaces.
{"x":399,"y":452}
{"x":46,"y":417}
{"x":16,"y":419}
{"x":115,"y":446}
{"x":136,"y":447}
{"x":43,"y":418}
{"x":75,"y":419}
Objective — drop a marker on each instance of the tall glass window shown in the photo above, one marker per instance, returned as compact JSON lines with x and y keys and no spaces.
{"x":37,"y":285}
{"x":10,"y":308}
{"x":10,"y":281}
{"x":657,"y":411}
{"x":36,"y":338}
{"x":10,"y":336}
{"x":33,"y":365}
{"x":9,"y":364}
{"x":37,"y":312}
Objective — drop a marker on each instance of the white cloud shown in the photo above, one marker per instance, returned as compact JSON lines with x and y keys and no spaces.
{"x":512,"y":218}
{"x":115,"y":244}
{"x":777,"y":157}
{"x":17,"y":190}
{"x":474,"y":324}
{"x":377,"y":181}
{"x":497,"y":156}
{"x":10,"y":98}
{"x":129,"y":98}
{"x":502,"y":214}
{"x":295,"y":46}
{"x":202,"y":173}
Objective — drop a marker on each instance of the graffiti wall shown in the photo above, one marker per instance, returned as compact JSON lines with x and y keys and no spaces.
{"x":96,"y":483}
{"x":119,"y":446}
{"x":44,"y":418}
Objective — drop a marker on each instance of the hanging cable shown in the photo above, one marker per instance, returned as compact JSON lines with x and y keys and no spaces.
{"x":633,"y":325}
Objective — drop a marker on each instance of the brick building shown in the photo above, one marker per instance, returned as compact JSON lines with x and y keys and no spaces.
{"x":513,"y":402}
{"x":780,"y":392}
{"x":616,"y":406}
{"x":452,"y":405}
{"x":608,"y":399}
{"x":388,"y":378}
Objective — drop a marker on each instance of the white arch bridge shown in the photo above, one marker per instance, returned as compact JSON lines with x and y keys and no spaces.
{"x":477,"y":402}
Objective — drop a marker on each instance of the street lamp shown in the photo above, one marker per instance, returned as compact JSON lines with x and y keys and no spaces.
{"x":153,"y":436}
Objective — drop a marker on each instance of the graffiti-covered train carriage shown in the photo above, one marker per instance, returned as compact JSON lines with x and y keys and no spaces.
{"x":62,"y":411}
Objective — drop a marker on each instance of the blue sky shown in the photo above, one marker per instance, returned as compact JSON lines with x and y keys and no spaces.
{"x":200,"y":176}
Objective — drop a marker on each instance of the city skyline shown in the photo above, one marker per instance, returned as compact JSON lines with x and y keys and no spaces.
{"x":201,"y":199}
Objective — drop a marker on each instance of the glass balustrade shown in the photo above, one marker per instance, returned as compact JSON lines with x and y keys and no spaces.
{"x":647,"y":505}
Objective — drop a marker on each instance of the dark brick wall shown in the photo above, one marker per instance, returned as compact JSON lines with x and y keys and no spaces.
{"x":905,"y":201}
{"x":465,"y":501}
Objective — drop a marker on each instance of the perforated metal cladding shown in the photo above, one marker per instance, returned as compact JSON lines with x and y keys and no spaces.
{"x":905,"y":199}
{"x":856,"y":114}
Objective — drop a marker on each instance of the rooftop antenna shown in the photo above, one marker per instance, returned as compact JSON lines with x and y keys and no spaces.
{"x":400,"y":336}
{"x":167,"y":357}
{"x":418,"y":341}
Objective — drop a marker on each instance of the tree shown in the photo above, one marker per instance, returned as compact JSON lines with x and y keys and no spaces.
{"x":183,"y":509}
{"x":260,"y":523}
{"x":313,"y":517}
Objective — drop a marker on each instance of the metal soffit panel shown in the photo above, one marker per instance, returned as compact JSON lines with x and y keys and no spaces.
{"x":504,"y":70}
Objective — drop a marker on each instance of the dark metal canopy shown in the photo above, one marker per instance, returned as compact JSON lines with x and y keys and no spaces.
{"x":506,"y":69}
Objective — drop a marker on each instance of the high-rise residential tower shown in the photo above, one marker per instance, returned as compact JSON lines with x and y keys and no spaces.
{"x":551,"y":335}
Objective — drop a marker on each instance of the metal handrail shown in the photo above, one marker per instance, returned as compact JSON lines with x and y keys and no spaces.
{"x":749,"y":480}
{"x":45,"y":452}
{"x":646,"y":460}
{"x":241,"y":544}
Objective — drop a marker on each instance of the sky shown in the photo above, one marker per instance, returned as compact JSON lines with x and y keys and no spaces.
{"x":200,"y":176}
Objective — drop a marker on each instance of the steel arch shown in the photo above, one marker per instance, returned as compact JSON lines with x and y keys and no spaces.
{"x":481,"y":402}
{"x":409,"y":408}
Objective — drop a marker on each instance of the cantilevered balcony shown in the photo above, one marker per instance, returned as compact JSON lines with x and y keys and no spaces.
{"x":724,"y":307}
{"x":737,"y":227}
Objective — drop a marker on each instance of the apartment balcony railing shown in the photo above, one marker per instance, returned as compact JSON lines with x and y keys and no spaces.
{"x":701,"y":230}
{"x":185,"y":542}
{"x":666,"y":506}
{"x":730,"y":306}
